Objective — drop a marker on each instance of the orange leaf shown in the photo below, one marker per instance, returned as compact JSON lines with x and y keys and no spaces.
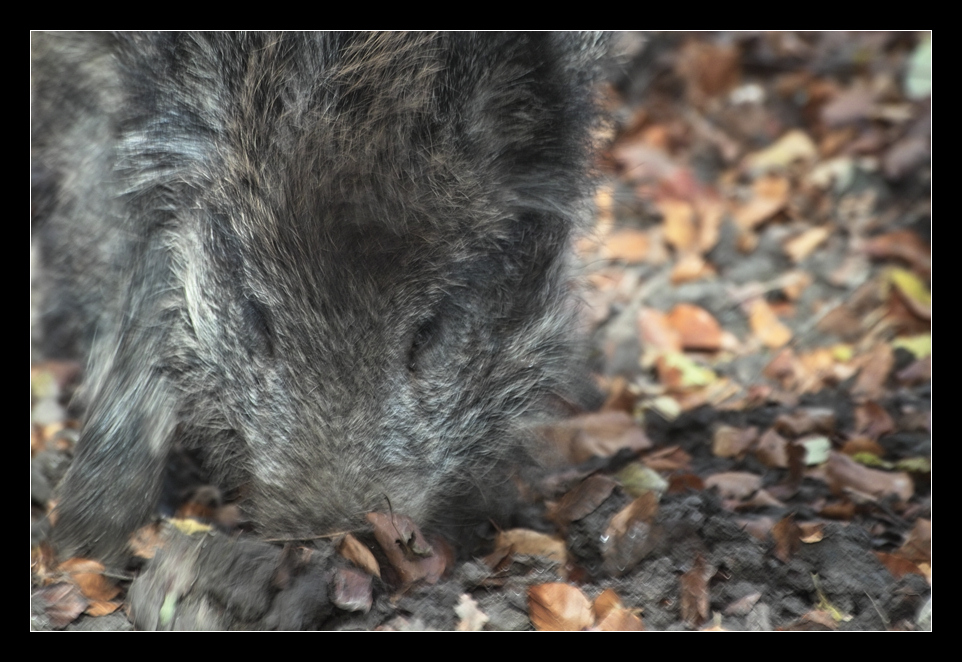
{"x":559,"y":607}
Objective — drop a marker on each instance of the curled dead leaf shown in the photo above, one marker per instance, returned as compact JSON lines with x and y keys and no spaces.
{"x":845,"y":475}
{"x":357,"y":553}
{"x":559,"y":607}
{"x":526,"y":541}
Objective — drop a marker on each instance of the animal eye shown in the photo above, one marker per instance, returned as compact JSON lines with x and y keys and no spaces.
{"x":257,"y":320}
{"x":423,"y":338}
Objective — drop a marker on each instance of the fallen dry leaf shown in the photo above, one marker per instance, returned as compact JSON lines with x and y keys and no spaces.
{"x":406,"y":549}
{"x":627,"y":245}
{"x":766,"y":325}
{"x":875,"y":369}
{"x":734,"y":484}
{"x":709,"y":70}
{"x":669,"y":458}
{"x":584,"y":499}
{"x":596,"y":435}
{"x":696,"y":327}
{"x":845,"y":475}
{"x":61,"y":603}
{"x":357,"y":553}
{"x":872,"y":420}
{"x":605,"y":602}
{"x":788,"y":538}
{"x":559,"y":608}
{"x":630,"y":536}
{"x":656,"y":332}
{"x":620,"y":620}
{"x":679,"y":224}
{"x":801,"y":246}
{"x":695,"y":596}
{"x":857,"y":445}
{"x":690,"y":267}
{"x":904,"y":245}
{"x":89,"y":577}
{"x":772,"y":449}
{"x":795,"y":145}
{"x":743,"y":606}
{"x":526,"y":541}
{"x":102,"y":607}
{"x":729,"y":441}
{"x":806,"y":420}
{"x":811,"y":532}
{"x":918,"y":546}
{"x":898,"y":566}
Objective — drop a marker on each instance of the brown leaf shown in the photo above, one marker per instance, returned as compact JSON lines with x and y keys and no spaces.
{"x":406,"y":549}
{"x":917,"y":372}
{"x":845,"y":475}
{"x":898,"y":566}
{"x":683,"y":482}
{"x":621,"y":620}
{"x":806,"y":420}
{"x":656,"y":332}
{"x":605,"y":602}
{"x":759,"y":527}
{"x":679,"y":224}
{"x":841,"y":510}
{"x":695,"y":596}
{"x":628,"y":245}
{"x":904,"y":245}
{"x":558,"y":608}
{"x":918,"y":545}
{"x":43,"y":561}
{"x":849,"y":106}
{"x":743,"y":606}
{"x":596,"y":435}
{"x":811,"y":532}
{"x":620,"y":396}
{"x":62,"y":603}
{"x":357,"y":553}
{"x":709,"y":70}
{"x":89,"y":577}
{"x":876,"y":367}
{"x":796,"y":473}
{"x":630,"y":536}
{"x":729,"y":441}
{"x":858,"y":445}
{"x":873,"y":421}
{"x":905,"y":156}
{"x":103,"y":607}
{"x":147,"y":540}
{"x":526,"y":541}
{"x":669,"y":458}
{"x":787,"y":538}
{"x":801,"y":246}
{"x":734,"y":484}
{"x":584,"y":499}
{"x":772,"y":449}
{"x":766,"y":325}
{"x":696,"y":327}
{"x":762,"y":499}
{"x":690,"y":267}
{"x":756,"y":211}
{"x":795,"y":145}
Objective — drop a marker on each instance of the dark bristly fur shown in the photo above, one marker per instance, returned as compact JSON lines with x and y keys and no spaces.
{"x":334,"y":264}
